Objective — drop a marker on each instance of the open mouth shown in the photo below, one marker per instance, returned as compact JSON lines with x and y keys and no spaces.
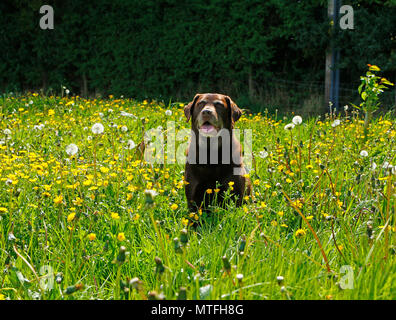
{"x":207,"y":128}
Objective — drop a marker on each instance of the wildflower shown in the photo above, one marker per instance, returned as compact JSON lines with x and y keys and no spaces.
{"x":289,"y":126}
{"x":168,"y":112}
{"x":124,"y":128}
{"x":216,"y":190}
{"x":226,"y":264}
{"x":126,"y":114}
{"x":363,"y":153}
{"x":71,"y":216}
{"x":297,"y":120}
{"x":131,"y":144}
{"x":184,"y":236}
{"x":274,"y":223}
{"x":184,"y":221}
{"x":58,"y":199}
{"x":300,"y":233}
{"x":373,"y":67}
{"x":336,"y":123}
{"x":182,"y":294}
{"x":3,"y":210}
{"x":386,"y":165}
{"x":7,"y":132}
{"x":159,"y":265}
{"x":346,"y":107}
{"x":263,"y":154}
{"x":279,"y":279}
{"x":209,"y":191}
{"x":150,"y":194}
{"x":115,"y":215}
{"x":280,"y":213}
{"x":11,"y":237}
{"x":38,"y":127}
{"x":97,"y":128}
{"x":121,"y":236}
{"x":71,"y":149}
{"x":121,"y":255}
{"x":174,"y":206}
{"x":91,"y":236}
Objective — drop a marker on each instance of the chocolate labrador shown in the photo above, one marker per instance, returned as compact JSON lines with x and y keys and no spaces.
{"x":214,"y":157}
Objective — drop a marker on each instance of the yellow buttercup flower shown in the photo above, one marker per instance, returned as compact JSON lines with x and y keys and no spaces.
{"x":121,"y":236}
{"x":58,"y":199}
{"x":71,"y":216}
{"x":115,"y":216}
{"x":300,"y":233}
{"x":91,"y":236}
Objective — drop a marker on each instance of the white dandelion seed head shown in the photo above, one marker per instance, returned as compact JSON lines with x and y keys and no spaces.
{"x":373,"y":166}
{"x":385,"y":165}
{"x":363,"y":153}
{"x":89,"y":138}
{"x":297,"y":120}
{"x":110,"y":110}
{"x":124,"y":128}
{"x":38,"y":127}
{"x":346,"y":107}
{"x":336,"y":123}
{"x":131,"y":144}
{"x":71,"y":149}
{"x":67,"y":91}
{"x":263,"y":154}
{"x":168,"y":112}
{"x":239,"y":276}
{"x":289,"y":126}
{"x":101,"y":114}
{"x":8,"y":182}
{"x":31,"y":102}
{"x":127,"y":114}
{"x":7,"y":132}
{"x":150,"y":193}
{"x":97,"y":128}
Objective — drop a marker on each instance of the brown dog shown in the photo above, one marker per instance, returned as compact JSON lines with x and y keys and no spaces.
{"x":214,"y":159}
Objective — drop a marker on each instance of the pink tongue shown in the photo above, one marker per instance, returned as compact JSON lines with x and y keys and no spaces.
{"x":207,"y":127}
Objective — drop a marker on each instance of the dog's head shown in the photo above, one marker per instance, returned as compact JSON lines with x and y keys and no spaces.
{"x":211,"y":112}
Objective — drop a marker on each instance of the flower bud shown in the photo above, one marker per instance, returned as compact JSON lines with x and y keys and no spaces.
{"x":182,"y":294}
{"x":177,"y":245}
{"x":160,"y":267}
{"x":226,"y":264}
{"x":121,"y":255}
{"x":183,"y":236}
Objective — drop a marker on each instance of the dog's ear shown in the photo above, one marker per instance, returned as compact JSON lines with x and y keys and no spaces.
{"x":188,"y":109}
{"x":235,"y":112}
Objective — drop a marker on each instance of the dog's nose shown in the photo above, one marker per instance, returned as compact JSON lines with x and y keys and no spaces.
{"x":207,"y":112}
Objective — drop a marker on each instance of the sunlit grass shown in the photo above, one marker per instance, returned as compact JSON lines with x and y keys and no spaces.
{"x":84,"y":217}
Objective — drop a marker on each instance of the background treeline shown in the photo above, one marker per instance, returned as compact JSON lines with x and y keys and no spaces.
{"x":264,"y":53}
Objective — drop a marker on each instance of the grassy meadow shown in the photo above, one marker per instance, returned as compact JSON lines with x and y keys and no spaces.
{"x":83,"y":216}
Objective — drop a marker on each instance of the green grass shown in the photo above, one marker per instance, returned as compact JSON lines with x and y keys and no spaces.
{"x":318,"y":167}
